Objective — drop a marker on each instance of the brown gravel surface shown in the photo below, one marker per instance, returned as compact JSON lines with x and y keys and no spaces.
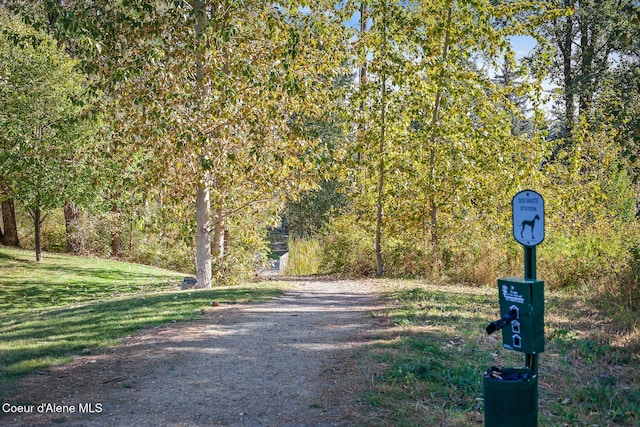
{"x":290,"y":362}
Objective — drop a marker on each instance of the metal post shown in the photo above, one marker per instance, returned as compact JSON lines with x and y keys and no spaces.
{"x":530,"y":263}
{"x":531,"y":360}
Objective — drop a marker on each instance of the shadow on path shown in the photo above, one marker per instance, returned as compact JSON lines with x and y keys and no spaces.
{"x":288,"y":362}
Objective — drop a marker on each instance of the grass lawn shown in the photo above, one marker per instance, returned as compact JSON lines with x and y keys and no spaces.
{"x":426,"y":368}
{"x":65,"y":305}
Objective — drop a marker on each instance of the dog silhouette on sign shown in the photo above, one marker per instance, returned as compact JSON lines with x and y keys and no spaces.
{"x":531,"y":224}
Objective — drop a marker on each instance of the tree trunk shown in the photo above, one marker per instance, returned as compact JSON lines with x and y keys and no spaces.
{"x":203,"y":201}
{"x":383,"y":132}
{"x":566,"y":50}
{"x":363,"y":82}
{"x":10,"y":227}
{"x":219,"y":241}
{"x":589,"y":36}
{"x":75,"y":238}
{"x":379,"y":202}
{"x":116,"y":235}
{"x":37,"y":222}
{"x":433,"y":203}
{"x":203,"y":237}
{"x":116,"y":245}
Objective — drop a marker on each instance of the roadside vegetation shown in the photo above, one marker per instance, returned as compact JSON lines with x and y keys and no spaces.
{"x":68,"y":305}
{"x":426,"y":367}
{"x":387,"y":138}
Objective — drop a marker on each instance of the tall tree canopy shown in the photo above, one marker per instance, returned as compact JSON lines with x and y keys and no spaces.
{"x":44,"y":131}
{"x":214,"y":99}
{"x":438,"y":140}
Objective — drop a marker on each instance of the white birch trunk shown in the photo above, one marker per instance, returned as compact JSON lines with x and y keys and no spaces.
{"x":203,"y":237}
{"x":218,"y":234}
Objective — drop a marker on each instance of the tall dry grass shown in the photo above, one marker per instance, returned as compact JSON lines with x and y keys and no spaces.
{"x":305,"y":256}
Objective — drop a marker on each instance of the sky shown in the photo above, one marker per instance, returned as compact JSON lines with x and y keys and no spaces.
{"x":522,"y":45}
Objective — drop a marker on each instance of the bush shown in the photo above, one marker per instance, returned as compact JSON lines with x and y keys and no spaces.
{"x":348,"y":249}
{"x":628,"y":290}
{"x":476,"y":260}
{"x":594,"y":257}
{"x":52,"y":231}
{"x":247,"y":249}
{"x":406,"y":256}
{"x":305,"y":256}
{"x":150,"y":249}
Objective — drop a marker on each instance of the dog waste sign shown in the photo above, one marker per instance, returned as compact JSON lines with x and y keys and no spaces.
{"x":528,"y":218}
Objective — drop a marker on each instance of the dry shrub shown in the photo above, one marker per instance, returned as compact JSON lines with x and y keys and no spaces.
{"x":305,"y":256}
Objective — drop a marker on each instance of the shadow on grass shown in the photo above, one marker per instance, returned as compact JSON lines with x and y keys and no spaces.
{"x":7,"y":255}
{"x":55,"y":285}
{"x":40,"y":338}
{"x":93,"y":273}
{"x":431,"y":363}
{"x":428,"y":365}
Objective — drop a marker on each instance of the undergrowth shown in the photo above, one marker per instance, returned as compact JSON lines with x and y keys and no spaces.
{"x":426,"y":367}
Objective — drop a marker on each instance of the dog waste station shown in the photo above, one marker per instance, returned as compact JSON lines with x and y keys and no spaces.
{"x":511,"y":394}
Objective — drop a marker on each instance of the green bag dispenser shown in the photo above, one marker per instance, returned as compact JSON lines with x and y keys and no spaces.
{"x":525,"y":333}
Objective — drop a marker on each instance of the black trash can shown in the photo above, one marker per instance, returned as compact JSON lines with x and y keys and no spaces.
{"x":510,"y":397}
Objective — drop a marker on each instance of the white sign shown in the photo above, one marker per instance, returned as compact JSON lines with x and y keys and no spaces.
{"x":528,"y":218}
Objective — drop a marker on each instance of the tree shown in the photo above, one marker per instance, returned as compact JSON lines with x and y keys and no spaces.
{"x":42,"y":123}
{"x":44,"y":15}
{"x":375,"y":108}
{"x":444,"y":131}
{"x":584,"y":41}
{"x":10,"y":235}
{"x":312,"y":212}
{"x":215,"y":95}
{"x":259,"y":75}
{"x":595,"y":63}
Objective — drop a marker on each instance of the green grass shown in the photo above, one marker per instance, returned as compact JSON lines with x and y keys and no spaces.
{"x":66,"y":305}
{"x":426,"y":367}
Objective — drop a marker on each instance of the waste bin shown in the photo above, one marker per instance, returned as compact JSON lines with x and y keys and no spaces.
{"x":510,"y":397}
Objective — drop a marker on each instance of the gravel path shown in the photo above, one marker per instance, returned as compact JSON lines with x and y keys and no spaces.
{"x":289,"y":362}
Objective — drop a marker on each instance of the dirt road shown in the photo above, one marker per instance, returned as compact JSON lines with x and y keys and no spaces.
{"x":289,"y":362}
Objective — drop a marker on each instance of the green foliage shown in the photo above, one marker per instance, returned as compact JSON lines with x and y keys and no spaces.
{"x":310,"y":214}
{"x":143,"y":243}
{"x":407,"y":256}
{"x":348,"y":250}
{"x":247,"y":248}
{"x":477,"y":258}
{"x":53,"y":230}
{"x":44,"y":134}
{"x":159,"y":251}
{"x":264,"y":115}
{"x":46,"y":128}
{"x":593,"y":258}
{"x":627,"y":290}
{"x":438,"y":146}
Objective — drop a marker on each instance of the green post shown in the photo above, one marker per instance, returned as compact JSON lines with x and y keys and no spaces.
{"x":530,"y":263}
{"x":531,"y":360}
